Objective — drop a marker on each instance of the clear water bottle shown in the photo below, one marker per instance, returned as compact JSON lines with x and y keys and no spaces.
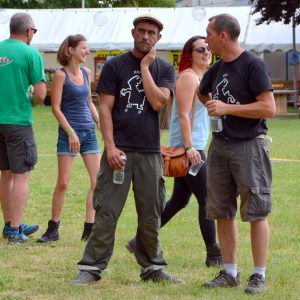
{"x":216,"y":123}
{"x":118,"y":175}
{"x":194,"y":169}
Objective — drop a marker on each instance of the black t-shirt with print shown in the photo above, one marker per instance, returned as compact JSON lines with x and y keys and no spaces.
{"x":135,"y":123}
{"x":238,"y":82}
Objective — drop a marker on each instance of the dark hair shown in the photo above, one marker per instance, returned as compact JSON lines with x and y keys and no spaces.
{"x":185,"y":60}
{"x":20,"y":22}
{"x":227,"y":23}
{"x":63,"y":55}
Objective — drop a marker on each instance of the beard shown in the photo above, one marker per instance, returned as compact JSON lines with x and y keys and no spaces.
{"x":144,"y":49}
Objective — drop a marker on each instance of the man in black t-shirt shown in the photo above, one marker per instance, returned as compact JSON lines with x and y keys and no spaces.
{"x":133,"y":88}
{"x":238,"y":157}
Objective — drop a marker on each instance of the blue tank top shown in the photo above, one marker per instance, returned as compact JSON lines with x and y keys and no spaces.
{"x":200,"y":130}
{"x":75,"y":103}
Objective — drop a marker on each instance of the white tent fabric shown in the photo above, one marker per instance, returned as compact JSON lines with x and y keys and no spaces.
{"x":114,"y":27}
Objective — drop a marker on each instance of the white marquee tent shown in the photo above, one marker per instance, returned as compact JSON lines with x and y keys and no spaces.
{"x":109,"y":29}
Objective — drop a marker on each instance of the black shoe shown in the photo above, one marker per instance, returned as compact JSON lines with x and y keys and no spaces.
{"x":51,"y":233}
{"x":85,"y":278}
{"x":131,"y":245}
{"x":161,"y":275}
{"x":256,"y":284}
{"x":213,"y":256}
{"x":223,"y":279}
{"x":87,"y":229}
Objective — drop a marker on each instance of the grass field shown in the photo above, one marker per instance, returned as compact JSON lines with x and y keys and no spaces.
{"x":35,"y":271}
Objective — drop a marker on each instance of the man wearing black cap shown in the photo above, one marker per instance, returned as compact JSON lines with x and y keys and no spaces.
{"x":133,"y":88}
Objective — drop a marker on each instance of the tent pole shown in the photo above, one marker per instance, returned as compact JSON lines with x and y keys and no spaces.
{"x":295,"y":66}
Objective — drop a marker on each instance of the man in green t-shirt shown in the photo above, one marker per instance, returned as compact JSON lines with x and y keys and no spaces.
{"x":22,"y":86}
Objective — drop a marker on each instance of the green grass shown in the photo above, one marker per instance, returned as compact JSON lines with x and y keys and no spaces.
{"x":35,"y":271}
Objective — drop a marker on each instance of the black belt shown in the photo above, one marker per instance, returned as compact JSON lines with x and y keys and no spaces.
{"x":260,"y":136}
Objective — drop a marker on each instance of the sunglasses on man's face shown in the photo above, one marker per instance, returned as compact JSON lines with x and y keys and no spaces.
{"x":202,"y":49}
{"x":34,"y":30}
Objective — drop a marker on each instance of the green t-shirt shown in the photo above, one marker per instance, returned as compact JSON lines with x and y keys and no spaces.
{"x":20,"y":67}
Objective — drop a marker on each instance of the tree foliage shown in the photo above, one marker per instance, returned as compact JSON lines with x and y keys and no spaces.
{"x":144,"y":3}
{"x":27,"y":4}
{"x":278,"y":11}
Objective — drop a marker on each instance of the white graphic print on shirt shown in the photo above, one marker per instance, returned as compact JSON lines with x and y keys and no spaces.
{"x":222,"y":87}
{"x":135,"y":93}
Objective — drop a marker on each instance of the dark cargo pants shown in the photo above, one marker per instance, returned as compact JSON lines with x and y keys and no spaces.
{"x":144,"y":170}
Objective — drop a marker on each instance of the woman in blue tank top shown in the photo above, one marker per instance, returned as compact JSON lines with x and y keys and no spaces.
{"x":73,"y":107}
{"x":189,"y":128}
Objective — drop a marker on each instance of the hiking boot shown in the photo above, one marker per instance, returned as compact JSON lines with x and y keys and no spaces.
{"x":16,"y":236}
{"x":131,"y":245}
{"x":87,"y":229}
{"x":213,"y":256}
{"x":85,"y":278}
{"x":26,"y":228}
{"x":223,"y":279}
{"x":256,"y":284}
{"x":163,"y":276}
{"x":51,"y":233}
{"x":128,"y":247}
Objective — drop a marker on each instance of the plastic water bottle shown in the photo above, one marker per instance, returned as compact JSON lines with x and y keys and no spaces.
{"x":194,"y":169}
{"x":118,"y":175}
{"x":216,"y":123}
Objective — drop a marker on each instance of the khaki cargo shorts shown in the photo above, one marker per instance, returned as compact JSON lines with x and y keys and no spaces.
{"x":239,"y":168}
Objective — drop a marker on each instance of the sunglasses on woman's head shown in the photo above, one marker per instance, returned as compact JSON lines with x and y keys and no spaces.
{"x":201,"y":49}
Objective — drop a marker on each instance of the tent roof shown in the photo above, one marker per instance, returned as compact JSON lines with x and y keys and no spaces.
{"x":111,"y":28}
{"x":272,"y":37}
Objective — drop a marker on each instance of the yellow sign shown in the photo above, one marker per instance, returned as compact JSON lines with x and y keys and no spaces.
{"x":175,"y":57}
{"x":105,"y":53}
{"x":214,"y":58}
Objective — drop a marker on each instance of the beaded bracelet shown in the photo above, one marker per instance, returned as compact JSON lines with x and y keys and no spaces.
{"x":192,"y":149}
{"x":70,"y":131}
{"x":188,"y":148}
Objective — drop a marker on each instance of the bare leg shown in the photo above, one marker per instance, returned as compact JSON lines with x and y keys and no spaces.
{"x":6,"y":183}
{"x":260,"y":241}
{"x":18,"y":198}
{"x":92,"y":164}
{"x":227,"y":234}
{"x":63,"y":179}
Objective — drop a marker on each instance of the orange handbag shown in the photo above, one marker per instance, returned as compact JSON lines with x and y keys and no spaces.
{"x":175,"y":161}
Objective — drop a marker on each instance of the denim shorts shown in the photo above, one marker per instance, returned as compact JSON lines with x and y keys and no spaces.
{"x":18,"y":151}
{"x":87,"y":138}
